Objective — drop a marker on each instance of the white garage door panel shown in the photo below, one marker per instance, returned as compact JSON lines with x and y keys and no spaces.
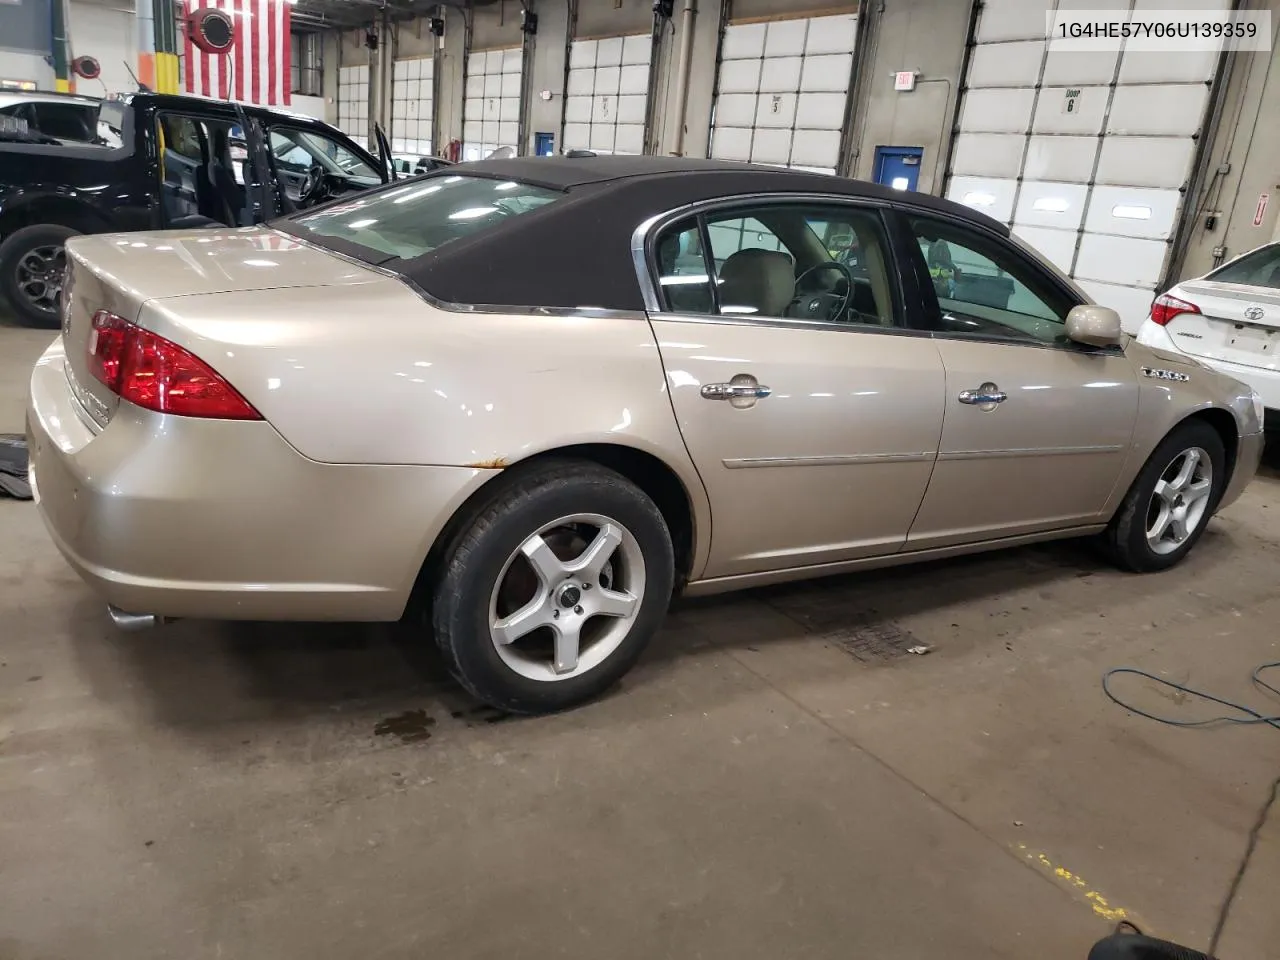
{"x":993,"y":197}
{"x":830,"y":72}
{"x":1087,"y":110}
{"x":1132,"y":212}
{"x":1056,"y":246}
{"x":1132,"y":303}
{"x":1120,"y":260}
{"x":1058,"y":205}
{"x":1073,"y":69}
{"x":1154,"y":67}
{"x":782,"y":91}
{"x":786,"y":38}
{"x":411,"y":106}
{"x":1060,"y":158}
{"x":776,"y":110}
{"x":1174,"y":110}
{"x":779,"y":75}
{"x":989,"y":154}
{"x":353,"y":102}
{"x":607,"y":95}
{"x":997,"y":111}
{"x":1145,"y":161}
{"x":1005,"y":64}
{"x":730,"y":143}
{"x":1009,"y":20}
{"x":491,"y":117}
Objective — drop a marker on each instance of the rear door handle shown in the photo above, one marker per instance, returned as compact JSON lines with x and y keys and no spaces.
{"x":986,"y":396}
{"x":742,"y":391}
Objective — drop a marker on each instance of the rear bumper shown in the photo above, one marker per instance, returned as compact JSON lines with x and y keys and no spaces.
{"x":225,"y":520}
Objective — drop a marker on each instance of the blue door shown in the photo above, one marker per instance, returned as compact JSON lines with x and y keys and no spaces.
{"x":898,"y":167}
{"x":544,"y":144}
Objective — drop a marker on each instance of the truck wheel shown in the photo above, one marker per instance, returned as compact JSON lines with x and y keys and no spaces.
{"x":32,"y":264}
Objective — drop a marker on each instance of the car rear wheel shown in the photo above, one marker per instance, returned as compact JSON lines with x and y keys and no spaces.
{"x":551,"y":592}
{"x":1171,"y":501}
{"x":32,"y":265}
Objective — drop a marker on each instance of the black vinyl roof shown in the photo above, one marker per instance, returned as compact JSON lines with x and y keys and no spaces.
{"x":576,"y":252}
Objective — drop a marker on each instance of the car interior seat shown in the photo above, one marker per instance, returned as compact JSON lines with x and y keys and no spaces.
{"x":230,"y":195}
{"x":757,"y":281}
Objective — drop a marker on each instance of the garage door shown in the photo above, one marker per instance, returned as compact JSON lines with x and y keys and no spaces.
{"x":607,"y":95}
{"x":353,"y":102}
{"x":491,"y":110}
{"x":782,"y":91}
{"x":411,"y":107}
{"x":1095,"y":186}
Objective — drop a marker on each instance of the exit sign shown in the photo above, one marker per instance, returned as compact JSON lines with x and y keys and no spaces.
{"x":904,"y":80}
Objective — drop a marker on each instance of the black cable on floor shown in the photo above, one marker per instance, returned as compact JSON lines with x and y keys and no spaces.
{"x":1248,"y":717}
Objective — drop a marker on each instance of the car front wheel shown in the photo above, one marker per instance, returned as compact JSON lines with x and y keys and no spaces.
{"x":552,"y":591}
{"x":1171,"y":501}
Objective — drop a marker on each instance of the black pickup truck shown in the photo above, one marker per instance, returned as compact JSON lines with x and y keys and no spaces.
{"x":158,"y":162}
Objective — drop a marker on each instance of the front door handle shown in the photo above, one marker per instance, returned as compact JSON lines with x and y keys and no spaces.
{"x":742,"y":391}
{"x":986,"y":397}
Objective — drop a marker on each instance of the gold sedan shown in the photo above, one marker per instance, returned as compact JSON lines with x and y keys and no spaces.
{"x":528,"y":399}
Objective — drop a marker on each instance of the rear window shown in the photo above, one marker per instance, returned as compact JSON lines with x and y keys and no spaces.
{"x":1258,"y":269}
{"x":415,"y":218}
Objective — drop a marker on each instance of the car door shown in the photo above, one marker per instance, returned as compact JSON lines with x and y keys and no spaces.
{"x":1037,"y":428}
{"x":813,"y":417}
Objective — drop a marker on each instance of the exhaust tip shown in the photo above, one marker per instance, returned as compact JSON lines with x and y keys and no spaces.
{"x":133,"y":622}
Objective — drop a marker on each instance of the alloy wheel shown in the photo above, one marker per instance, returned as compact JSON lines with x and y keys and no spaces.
{"x":1180,"y":502}
{"x":39,"y":276}
{"x":567,"y":597}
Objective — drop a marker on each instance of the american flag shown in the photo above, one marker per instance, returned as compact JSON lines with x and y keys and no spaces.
{"x":258,"y":67}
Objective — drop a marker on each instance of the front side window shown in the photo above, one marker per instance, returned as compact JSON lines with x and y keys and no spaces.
{"x":985,"y":289}
{"x":299,"y":150}
{"x":1258,"y":269}
{"x":824,"y":264}
{"x":412,"y":219}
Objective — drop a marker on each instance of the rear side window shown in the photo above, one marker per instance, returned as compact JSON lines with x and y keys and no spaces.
{"x":415,"y":218}
{"x":1258,"y":269}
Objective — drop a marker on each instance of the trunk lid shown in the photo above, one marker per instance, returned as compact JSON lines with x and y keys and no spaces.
{"x":1237,"y":323}
{"x":121,"y":272}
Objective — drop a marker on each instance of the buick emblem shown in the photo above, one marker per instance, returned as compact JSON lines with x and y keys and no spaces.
{"x":1254,"y":313}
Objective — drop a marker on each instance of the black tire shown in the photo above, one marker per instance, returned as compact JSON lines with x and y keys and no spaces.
{"x":1126,"y":537}
{"x":524,"y":503}
{"x":14,"y":248}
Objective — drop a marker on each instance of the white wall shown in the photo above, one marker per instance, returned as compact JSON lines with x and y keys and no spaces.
{"x":109,"y":33}
{"x":26,"y":66}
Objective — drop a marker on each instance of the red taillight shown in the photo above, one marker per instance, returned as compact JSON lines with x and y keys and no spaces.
{"x":1164,"y":308}
{"x":150,"y":371}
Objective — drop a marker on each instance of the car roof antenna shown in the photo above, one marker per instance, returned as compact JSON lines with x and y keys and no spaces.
{"x":142,"y":87}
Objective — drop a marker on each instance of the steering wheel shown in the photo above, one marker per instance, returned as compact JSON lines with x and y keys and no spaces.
{"x":823,"y":305}
{"x":312,"y":185}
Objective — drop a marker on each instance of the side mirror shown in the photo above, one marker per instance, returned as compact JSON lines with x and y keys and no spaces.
{"x":1097,"y":326}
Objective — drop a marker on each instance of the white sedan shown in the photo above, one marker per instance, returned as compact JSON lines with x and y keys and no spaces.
{"x":1229,"y":319}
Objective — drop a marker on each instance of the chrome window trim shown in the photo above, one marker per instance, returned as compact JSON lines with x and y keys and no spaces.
{"x":483,"y":308}
{"x":788,"y":323}
{"x":644,"y":234}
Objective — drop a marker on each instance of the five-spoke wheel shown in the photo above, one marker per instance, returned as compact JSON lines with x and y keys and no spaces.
{"x":551,"y":590}
{"x":1171,"y":500}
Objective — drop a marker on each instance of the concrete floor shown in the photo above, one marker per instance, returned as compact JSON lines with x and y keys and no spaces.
{"x":778,"y":778}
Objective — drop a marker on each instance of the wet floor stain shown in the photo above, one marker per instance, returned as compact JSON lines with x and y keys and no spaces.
{"x":412,"y":726}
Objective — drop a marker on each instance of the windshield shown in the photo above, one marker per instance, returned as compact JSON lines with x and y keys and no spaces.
{"x":1258,"y":269}
{"x":415,"y":218}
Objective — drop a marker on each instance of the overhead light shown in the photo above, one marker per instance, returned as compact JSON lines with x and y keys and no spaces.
{"x":1131,"y":213}
{"x":899,"y":183}
{"x":1051,"y":205}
